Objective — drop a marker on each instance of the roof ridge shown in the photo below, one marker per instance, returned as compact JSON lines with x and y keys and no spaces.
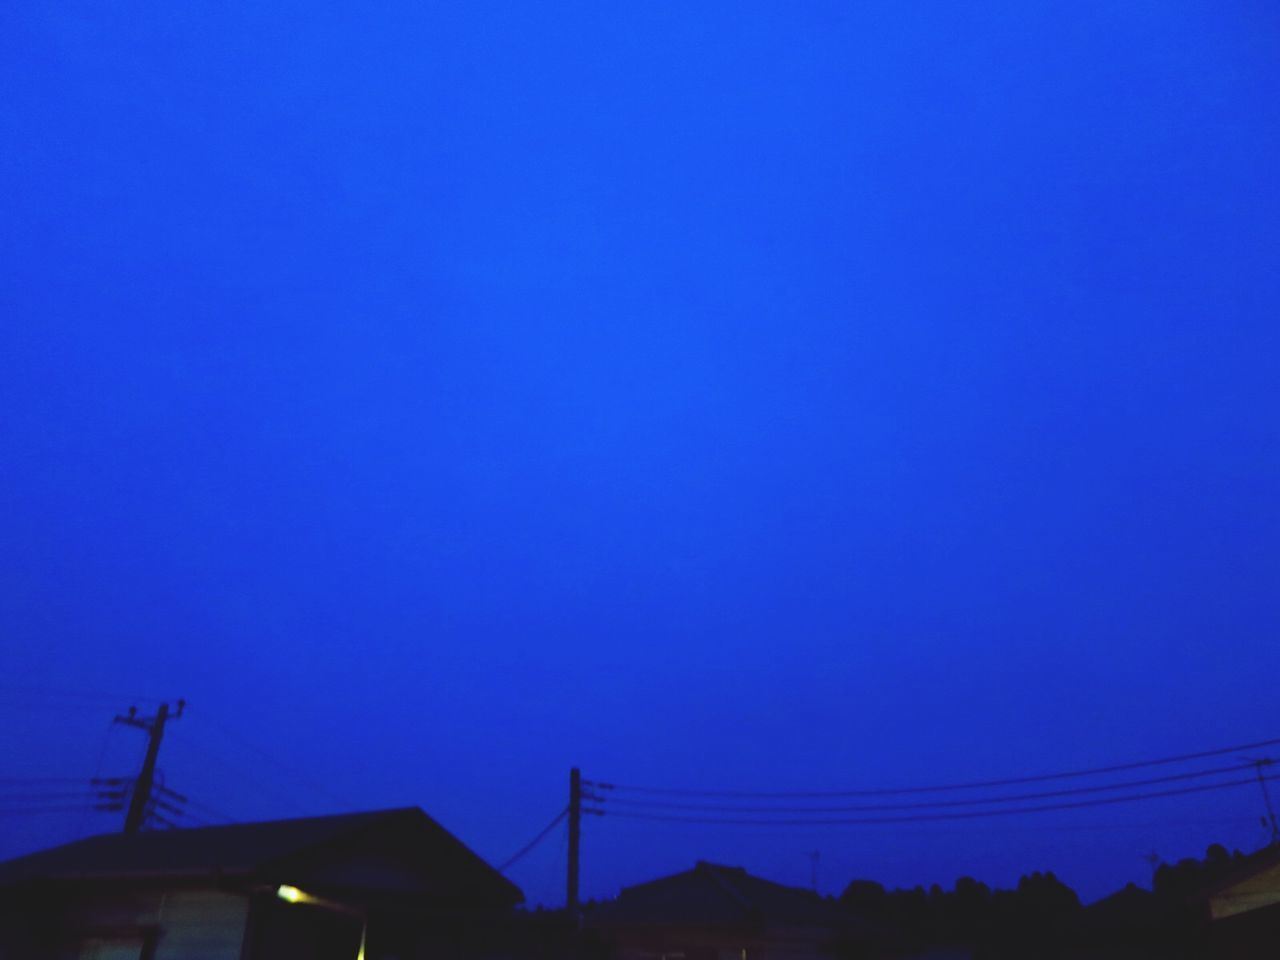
{"x":288,"y":837}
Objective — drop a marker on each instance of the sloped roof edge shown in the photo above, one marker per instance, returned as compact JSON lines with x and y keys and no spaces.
{"x":241,"y":849}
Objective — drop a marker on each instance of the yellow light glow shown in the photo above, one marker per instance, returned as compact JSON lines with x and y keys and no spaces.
{"x":291,"y":894}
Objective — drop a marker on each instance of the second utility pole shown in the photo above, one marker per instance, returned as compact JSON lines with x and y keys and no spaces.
{"x":575,"y":837}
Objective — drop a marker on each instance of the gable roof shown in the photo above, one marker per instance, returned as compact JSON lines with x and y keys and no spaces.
{"x":268,"y":851}
{"x":720,"y":896}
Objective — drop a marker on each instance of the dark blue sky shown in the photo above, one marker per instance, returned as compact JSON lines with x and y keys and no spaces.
{"x":748,"y":395}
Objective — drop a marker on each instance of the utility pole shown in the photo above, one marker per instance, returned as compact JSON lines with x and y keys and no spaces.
{"x":1270,"y":819}
{"x":575,"y":838}
{"x":140,"y":798}
{"x":576,"y":810}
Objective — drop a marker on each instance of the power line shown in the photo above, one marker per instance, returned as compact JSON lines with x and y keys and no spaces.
{"x":242,"y":771}
{"x":542,"y":834}
{"x":937,"y":788}
{"x":43,"y":693}
{"x":927,"y":804}
{"x":66,"y":706}
{"x":923,"y":817}
{"x":210,"y":810}
{"x":36,"y":811}
{"x":293,"y":771}
{"x":1060,"y":826}
{"x":97,"y":768}
{"x":62,"y":795}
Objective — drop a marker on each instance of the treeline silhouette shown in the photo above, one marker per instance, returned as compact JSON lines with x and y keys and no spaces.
{"x":1043,"y":918}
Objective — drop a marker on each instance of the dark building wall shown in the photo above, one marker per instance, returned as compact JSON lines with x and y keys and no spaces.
{"x":60,"y":923}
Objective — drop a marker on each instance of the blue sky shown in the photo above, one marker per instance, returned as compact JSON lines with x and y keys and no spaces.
{"x":442,"y":395}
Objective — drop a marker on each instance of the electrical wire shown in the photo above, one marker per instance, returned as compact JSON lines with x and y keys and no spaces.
{"x":924,"y":817}
{"x":241,"y":771}
{"x":293,"y":772}
{"x":542,"y":834}
{"x":29,"y":797}
{"x":926,"y":804}
{"x":935,"y":788}
{"x":36,"y":811}
{"x":211,"y":810}
{"x":1060,"y":826}
{"x":40,"y":693}
{"x":68,"y":706}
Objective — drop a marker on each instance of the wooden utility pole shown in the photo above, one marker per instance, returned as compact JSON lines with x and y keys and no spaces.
{"x":1270,"y":819}
{"x":575,"y":837}
{"x":140,"y":797}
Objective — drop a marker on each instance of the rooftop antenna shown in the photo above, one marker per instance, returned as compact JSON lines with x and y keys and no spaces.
{"x":1153,"y":860}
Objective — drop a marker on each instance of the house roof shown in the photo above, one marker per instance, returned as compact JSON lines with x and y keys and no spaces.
{"x":720,"y":896}
{"x":1127,"y":908}
{"x":1262,"y":859}
{"x":277,"y":850}
{"x":1252,"y":884}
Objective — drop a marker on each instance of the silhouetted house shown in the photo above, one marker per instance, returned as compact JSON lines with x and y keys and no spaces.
{"x":1130,"y":923}
{"x":307,"y":889}
{"x":722,"y":913}
{"x":1244,"y":910}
